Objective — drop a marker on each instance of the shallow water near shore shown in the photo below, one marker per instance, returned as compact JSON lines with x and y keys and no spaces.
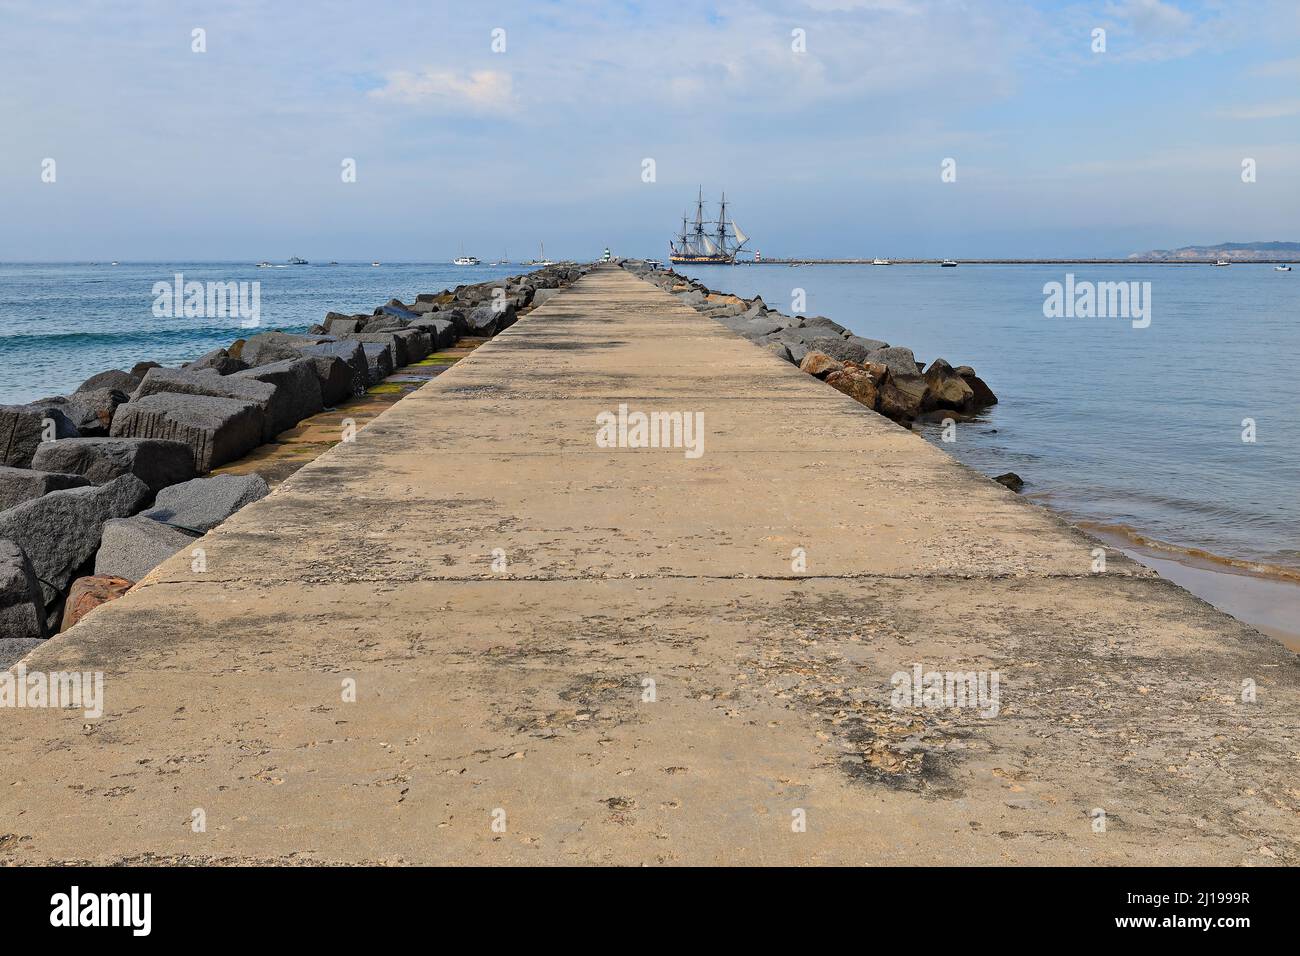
{"x":1134,"y":431}
{"x":61,"y":323}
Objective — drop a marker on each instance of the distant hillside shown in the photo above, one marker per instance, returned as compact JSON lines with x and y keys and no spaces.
{"x":1227,"y":250}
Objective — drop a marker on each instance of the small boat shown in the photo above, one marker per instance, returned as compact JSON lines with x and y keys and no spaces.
{"x":264,"y":264}
{"x":465,"y":261}
{"x":541,"y":260}
{"x":880,"y":262}
{"x":949,"y":264}
{"x":374,"y":263}
{"x":114,"y":263}
{"x":1276,"y":268}
{"x":1223,"y":262}
{"x":297,"y":261}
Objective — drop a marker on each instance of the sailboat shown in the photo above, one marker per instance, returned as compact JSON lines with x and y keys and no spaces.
{"x":541,"y":260}
{"x":464,"y":260}
{"x":707,"y":246}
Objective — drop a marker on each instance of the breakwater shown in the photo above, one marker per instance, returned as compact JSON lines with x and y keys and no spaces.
{"x":100,"y":486}
{"x":885,"y":378}
{"x":475,"y":635}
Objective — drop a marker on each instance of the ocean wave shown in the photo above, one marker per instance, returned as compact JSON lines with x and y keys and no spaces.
{"x":74,"y":338}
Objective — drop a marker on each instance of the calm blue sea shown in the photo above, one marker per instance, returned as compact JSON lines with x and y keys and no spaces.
{"x":1136,"y":428}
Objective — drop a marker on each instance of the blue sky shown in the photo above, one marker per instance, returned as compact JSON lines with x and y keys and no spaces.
{"x":237,"y":152}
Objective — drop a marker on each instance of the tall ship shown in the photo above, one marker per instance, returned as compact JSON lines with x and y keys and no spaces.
{"x":707,"y":241}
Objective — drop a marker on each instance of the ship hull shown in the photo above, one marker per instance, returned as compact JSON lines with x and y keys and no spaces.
{"x":703,"y":260}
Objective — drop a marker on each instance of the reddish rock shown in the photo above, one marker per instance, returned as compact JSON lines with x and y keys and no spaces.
{"x":89,"y":593}
{"x":819,"y":365}
{"x":856,"y":384}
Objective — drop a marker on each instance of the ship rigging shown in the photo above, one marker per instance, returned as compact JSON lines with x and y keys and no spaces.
{"x":707,"y":241}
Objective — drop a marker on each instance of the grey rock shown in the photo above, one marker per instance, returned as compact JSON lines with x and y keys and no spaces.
{"x":260,"y":351}
{"x":156,"y":462}
{"x":841,"y":349}
{"x":22,"y":484}
{"x":242,"y":389}
{"x":132,"y":547}
{"x":140,"y":369}
{"x":353,"y":357}
{"x":395,"y":345}
{"x":22,"y":429}
{"x":14,"y":649}
{"x":482,"y":321}
{"x":179,"y":382}
{"x":217,"y":429}
{"x":297,"y":391}
{"x":823,"y":325}
{"x":342,"y":325}
{"x":442,"y":331}
{"x":780,"y":350}
{"x":219,"y":361}
{"x":386,"y":323}
{"x":113,"y":378}
{"x":91,"y":412}
{"x":201,"y":504}
{"x":379,"y":361}
{"x":756,"y":328}
{"x":22,"y":606}
{"x":871,"y":345}
{"x":900,"y":361}
{"x":61,"y":531}
{"x":1011,"y":480}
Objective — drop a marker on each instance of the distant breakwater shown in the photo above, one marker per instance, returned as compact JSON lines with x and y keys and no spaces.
{"x":100,"y":486}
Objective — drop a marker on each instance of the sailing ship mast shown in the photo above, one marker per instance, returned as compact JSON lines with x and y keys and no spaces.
{"x":698,"y":244}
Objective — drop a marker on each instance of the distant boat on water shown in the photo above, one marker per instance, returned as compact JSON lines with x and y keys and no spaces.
{"x":541,"y":260}
{"x":1222,"y":262}
{"x":949,"y":264}
{"x":374,"y":263}
{"x":880,"y":262}
{"x":296,"y":261}
{"x":114,"y":263}
{"x":465,"y":261}
{"x":698,"y":245}
{"x":1276,"y":268}
{"x":264,"y":264}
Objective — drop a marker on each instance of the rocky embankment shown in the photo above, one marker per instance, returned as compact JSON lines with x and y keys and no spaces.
{"x":99,"y":487}
{"x":886,"y":378}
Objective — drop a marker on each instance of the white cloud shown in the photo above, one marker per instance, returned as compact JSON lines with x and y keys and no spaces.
{"x":479,"y":91}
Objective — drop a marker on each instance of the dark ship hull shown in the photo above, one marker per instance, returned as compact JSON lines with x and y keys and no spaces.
{"x":687,"y":258}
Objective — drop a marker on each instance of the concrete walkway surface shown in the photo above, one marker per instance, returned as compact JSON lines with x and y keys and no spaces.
{"x":564,"y":653}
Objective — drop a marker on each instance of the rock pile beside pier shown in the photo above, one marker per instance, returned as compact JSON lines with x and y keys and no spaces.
{"x":99,"y":487}
{"x":886,"y":378}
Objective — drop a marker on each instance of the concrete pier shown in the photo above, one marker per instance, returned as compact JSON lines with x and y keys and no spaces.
{"x":475,"y":636}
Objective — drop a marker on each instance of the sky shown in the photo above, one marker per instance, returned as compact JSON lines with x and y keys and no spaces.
{"x":495,"y":127}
